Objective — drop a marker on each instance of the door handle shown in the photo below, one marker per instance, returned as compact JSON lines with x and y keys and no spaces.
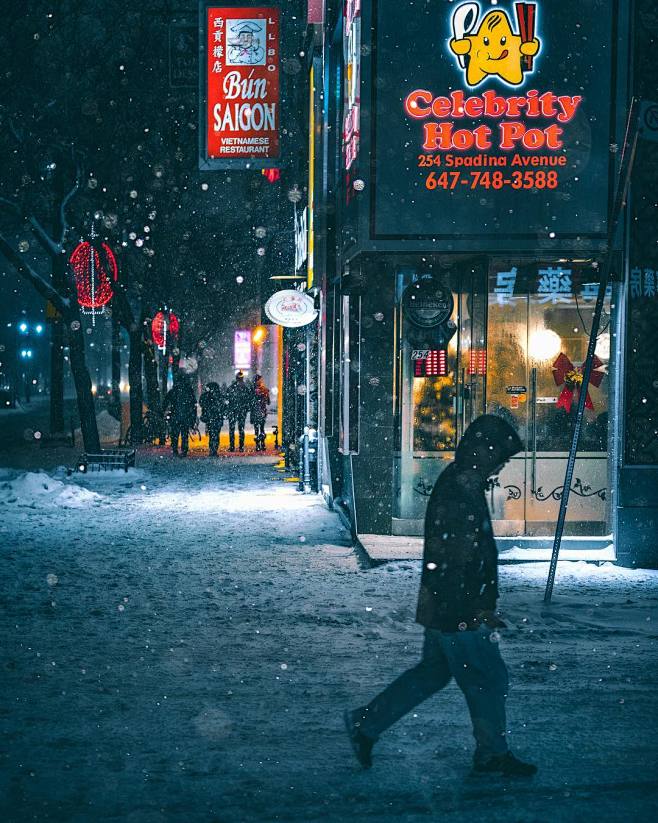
{"x":533,"y":429}
{"x":463,"y":401}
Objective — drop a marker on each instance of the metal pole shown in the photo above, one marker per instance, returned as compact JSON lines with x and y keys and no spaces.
{"x":620,"y":198}
{"x":307,"y":413}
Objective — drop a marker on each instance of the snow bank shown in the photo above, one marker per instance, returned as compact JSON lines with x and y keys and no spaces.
{"x":108,"y":428}
{"x":39,"y":490}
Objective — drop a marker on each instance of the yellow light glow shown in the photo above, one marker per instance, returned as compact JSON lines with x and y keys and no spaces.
{"x":543,"y":345}
{"x":259,"y":335}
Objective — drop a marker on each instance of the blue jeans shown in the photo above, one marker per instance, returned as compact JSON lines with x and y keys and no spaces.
{"x":476,"y":664}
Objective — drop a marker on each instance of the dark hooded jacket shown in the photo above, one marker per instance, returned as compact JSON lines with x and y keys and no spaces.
{"x":460,"y":559}
{"x":240,"y":399}
{"x":261,"y":400}
{"x":180,"y":399}
{"x":214,"y":405}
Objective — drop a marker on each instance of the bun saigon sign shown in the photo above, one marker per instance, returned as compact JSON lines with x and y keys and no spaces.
{"x":493,"y":118}
{"x":241,"y":83}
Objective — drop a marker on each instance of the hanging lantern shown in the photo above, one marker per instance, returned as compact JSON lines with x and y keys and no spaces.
{"x":271,"y":175}
{"x":163,"y":326}
{"x":95,"y":269}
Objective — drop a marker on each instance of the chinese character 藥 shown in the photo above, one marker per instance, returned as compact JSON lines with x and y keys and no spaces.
{"x":649,"y":283}
{"x":554,"y":284}
{"x":505,"y":281}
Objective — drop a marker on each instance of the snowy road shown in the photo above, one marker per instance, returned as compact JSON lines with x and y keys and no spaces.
{"x":179,"y":645}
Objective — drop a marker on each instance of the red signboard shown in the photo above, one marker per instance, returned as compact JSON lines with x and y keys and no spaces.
{"x":242,"y":86}
{"x":315,"y":12}
{"x":352,"y":82}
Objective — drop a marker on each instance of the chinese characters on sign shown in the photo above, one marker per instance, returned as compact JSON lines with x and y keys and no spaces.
{"x":554,"y":285}
{"x":505,"y":281}
{"x":242,"y":81}
{"x":352,"y":59}
{"x":643,"y":282}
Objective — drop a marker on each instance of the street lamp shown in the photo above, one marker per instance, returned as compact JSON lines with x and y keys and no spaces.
{"x":258,"y":337}
{"x":27,"y":350}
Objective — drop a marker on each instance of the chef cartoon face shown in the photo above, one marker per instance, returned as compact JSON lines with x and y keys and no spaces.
{"x":245,"y":46}
{"x":493,"y":48}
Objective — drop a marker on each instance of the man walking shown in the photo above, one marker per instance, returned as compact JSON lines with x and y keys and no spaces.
{"x":182,"y":403}
{"x":239,"y":403}
{"x":261,"y":400}
{"x":456,"y":605}
{"x":213,"y":404}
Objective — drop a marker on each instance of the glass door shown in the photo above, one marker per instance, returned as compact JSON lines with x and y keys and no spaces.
{"x":440,"y":384}
{"x":539,"y":321}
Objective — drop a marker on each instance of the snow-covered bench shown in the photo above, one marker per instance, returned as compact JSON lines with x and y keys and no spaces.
{"x":107,"y":460}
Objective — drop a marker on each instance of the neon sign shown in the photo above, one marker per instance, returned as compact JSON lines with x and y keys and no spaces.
{"x":420,"y":104}
{"x":466,"y":129}
{"x":475,"y":139}
{"x":430,"y":362}
{"x":351,"y":96}
{"x":242,"y":349}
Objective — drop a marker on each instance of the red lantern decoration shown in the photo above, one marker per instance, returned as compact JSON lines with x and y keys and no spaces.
{"x":95,"y":269}
{"x":163,"y":326}
{"x":271,"y":175}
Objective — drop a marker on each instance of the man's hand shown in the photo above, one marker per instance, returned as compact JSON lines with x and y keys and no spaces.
{"x":491,"y":619}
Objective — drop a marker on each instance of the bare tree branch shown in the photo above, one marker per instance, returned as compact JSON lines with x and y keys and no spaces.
{"x":45,"y":289}
{"x":19,"y":137}
{"x":9,"y":205}
{"x":122,"y":305}
{"x":44,"y":238}
{"x":67,"y":199}
{"x":42,"y":235}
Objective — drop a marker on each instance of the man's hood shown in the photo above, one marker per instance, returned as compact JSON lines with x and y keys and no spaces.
{"x":487,"y":442}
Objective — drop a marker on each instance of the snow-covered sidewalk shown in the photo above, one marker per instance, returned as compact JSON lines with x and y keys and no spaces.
{"x":178,"y":643}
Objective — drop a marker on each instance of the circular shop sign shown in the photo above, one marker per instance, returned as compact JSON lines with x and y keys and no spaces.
{"x":291,"y":308}
{"x":427,"y":303}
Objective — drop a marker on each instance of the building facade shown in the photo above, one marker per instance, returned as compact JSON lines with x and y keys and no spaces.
{"x":465,"y":162}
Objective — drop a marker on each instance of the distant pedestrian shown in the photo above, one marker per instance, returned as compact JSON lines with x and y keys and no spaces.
{"x":181,"y":403}
{"x":456,"y":605}
{"x":239,"y":403}
{"x":260,"y":403}
{"x":214,"y":408}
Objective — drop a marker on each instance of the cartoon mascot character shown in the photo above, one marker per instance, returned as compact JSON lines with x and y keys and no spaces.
{"x":494,"y":49}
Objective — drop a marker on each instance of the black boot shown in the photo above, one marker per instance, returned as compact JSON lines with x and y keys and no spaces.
{"x":506,"y":764}
{"x":361,"y":743}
